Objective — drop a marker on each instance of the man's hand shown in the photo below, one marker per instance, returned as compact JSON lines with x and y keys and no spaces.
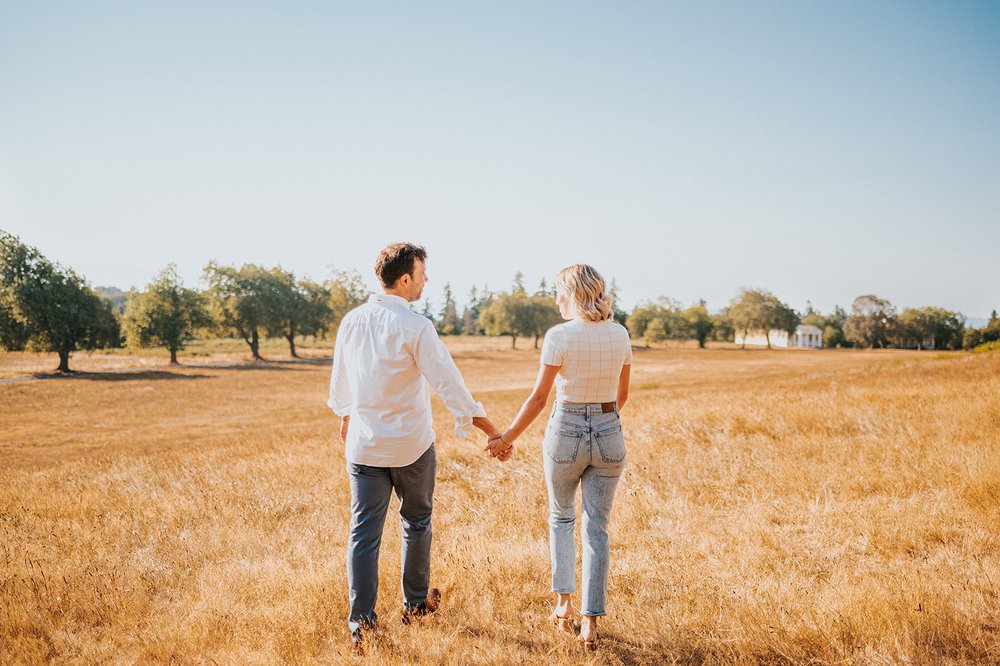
{"x":505,"y":456}
{"x":344,"y":422}
{"x":498,"y":448}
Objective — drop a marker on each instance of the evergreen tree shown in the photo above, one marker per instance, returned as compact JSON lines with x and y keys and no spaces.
{"x":428,"y":310}
{"x":518,"y":286}
{"x":470,"y":315}
{"x":618,"y":312}
{"x":448,"y":322}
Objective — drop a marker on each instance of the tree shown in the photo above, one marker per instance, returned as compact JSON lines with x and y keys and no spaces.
{"x":991,"y":332}
{"x":778,"y":317}
{"x":297,"y":307}
{"x":543,"y":289}
{"x":700,"y":323}
{"x":448,"y":322}
{"x":832,"y":326}
{"x":315,"y":316}
{"x":748,"y":312}
{"x":347,"y":291}
{"x":760,"y":310}
{"x":972,"y":338}
{"x":428,"y":311}
{"x":722,"y":326}
{"x":655,"y":322}
{"x":470,"y":315}
{"x":46,"y":307}
{"x":166,"y":314}
{"x":871,"y":321}
{"x":618,"y":313}
{"x":544,"y":315}
{"x":931,"y":327}
{"x":509,"y":314}
{"x":638,"y":321}
{"x":244,"y":301}
{"x":518,"y":286}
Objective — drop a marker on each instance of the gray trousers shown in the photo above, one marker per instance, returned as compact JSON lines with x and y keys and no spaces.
{"x":371,"y":488}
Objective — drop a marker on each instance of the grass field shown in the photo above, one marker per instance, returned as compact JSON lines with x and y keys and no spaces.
{"x":778,"y":506}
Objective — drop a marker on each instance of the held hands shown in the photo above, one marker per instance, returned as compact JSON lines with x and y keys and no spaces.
{"x":498,"y":448}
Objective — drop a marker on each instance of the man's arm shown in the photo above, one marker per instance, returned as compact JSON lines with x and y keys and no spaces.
{"x":437,"y":366}
{"x":486,"y":426}
{"x":340,"y":400}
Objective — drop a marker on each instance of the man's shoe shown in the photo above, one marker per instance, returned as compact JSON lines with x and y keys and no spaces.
{"x":358,"y":637}
{"x":431,"y":604}
{"x":357,"y":646}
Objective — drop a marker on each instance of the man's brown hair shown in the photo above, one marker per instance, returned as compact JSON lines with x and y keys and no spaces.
{"x":396,"y":260}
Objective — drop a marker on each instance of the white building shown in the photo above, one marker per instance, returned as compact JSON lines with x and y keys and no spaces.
{"x":805,"y":335}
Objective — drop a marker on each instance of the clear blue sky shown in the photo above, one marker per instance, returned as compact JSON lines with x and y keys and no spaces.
{"x":821,"y":150}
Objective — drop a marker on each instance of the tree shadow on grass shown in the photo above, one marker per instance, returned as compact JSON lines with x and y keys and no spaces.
{"x":266,"y":364}
{"x":121,"y":376}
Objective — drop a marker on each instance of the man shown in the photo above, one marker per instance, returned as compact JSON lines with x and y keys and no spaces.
{"x":385,"y":358}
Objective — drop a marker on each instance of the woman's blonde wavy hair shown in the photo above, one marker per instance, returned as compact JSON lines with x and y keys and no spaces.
{"x":588,"y":290}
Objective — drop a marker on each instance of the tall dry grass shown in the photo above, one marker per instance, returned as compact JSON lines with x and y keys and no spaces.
{"x":797,"y":507}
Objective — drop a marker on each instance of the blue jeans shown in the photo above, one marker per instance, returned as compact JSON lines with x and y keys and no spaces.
{"x":585,"y":447}
{"x":371,"y":488}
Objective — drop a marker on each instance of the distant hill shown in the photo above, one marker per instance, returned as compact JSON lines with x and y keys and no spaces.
{"x":113,"y":295}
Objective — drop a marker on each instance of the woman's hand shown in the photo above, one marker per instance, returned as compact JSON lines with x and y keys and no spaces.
{"x":498,"y":448}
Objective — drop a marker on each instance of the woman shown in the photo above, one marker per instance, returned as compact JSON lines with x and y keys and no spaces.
{"x":589,"y":358}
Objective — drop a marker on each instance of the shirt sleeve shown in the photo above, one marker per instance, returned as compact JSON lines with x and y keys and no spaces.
{"x":438,"y":367}
{"x":341,"y":401}
{"x":552,"y":349}
{"x":628,"y":347}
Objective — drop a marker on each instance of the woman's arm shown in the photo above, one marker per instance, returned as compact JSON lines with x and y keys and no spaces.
{"x":535,"y":403}
{"x":623,"y":385}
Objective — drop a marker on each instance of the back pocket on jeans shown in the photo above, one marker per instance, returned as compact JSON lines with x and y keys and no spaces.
{"x":611,"y":445}
{"x":562,"y":445}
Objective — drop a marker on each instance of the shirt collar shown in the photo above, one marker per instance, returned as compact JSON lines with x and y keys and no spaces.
{"x":388,"y":298}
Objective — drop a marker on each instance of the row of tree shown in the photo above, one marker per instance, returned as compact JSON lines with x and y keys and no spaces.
{"x":873,"y":322}
{"x":46,"y":307}
{"x":516,"y":312}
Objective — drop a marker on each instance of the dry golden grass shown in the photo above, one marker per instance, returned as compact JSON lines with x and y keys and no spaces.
{"x":786,"y":506}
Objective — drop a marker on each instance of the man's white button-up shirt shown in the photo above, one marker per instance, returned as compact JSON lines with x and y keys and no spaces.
{"x":385,"y":358}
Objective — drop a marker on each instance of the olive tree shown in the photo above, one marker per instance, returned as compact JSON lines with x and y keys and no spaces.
{"x":45,"y":307}
{"x":244,"y":300}
{"x":165,"y":314}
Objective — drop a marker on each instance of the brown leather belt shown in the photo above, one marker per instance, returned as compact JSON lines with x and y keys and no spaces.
{"x":608,"y":407}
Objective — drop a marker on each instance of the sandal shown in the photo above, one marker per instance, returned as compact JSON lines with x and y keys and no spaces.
{"x":563,"y":622}
{"x":589,"y":644}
